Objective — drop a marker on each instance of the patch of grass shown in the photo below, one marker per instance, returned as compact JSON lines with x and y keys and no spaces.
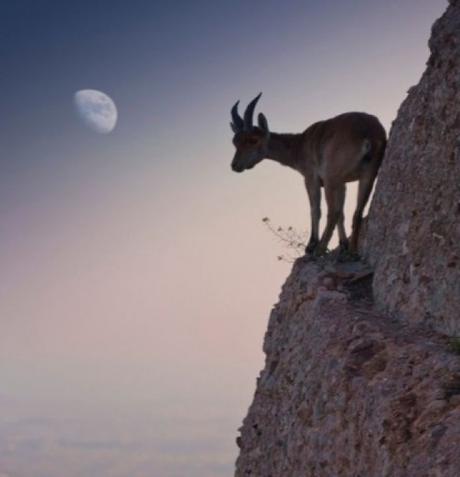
{"x":454,"y":345}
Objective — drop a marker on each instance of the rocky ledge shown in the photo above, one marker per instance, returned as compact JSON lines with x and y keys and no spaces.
{"x":348,"y":391}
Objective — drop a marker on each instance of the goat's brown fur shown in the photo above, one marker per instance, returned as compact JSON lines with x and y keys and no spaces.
{"x":330,"y":153}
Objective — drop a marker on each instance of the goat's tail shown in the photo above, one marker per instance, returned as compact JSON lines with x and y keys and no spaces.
{"x":371,"y":151}
{"x":366,"y":150}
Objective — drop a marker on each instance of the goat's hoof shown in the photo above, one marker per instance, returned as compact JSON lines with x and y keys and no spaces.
{"x":344,"y":246}
{"x":353,"y":252}
{"x":349,"y":255}
{"x":320,"y":251}
{"x":311,"y":247}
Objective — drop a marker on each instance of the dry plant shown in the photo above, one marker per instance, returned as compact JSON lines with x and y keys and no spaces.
{"x":290,"y":238}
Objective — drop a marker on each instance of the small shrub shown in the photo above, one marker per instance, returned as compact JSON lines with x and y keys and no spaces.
{"x":292,"y":239}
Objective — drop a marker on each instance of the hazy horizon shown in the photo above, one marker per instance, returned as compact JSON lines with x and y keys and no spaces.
{"x":137,"y":277}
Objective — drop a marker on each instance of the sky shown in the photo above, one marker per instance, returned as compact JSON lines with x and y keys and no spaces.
{"x":137,"y":277}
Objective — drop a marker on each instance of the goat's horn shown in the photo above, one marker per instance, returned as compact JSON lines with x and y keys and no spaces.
{"x":248,"y":114}
{"x":236,"y":118}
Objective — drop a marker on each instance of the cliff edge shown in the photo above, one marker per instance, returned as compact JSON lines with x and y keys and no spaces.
{"x":347,"y":391}
{"x":359,"y":378}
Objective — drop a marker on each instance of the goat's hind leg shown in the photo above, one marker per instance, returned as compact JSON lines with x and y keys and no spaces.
{"x":335,"y":197}
{"x":343,"y":240}
{"x":364,"y":191}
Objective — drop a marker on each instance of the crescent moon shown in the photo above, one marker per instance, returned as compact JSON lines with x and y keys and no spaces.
{"x":96,"y":109}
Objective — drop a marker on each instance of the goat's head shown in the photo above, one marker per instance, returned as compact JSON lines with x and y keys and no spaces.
{"x":251,"y":142}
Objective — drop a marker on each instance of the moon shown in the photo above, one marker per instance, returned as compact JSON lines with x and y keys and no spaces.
{"x":96,"y":109}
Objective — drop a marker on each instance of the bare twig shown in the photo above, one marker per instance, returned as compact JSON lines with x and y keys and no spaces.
{"x":292,"y":239}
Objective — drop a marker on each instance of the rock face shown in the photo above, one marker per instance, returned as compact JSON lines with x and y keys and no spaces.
{"x":348,"y":392}
{"x":359,"y":379}
{"x":413,"y":237}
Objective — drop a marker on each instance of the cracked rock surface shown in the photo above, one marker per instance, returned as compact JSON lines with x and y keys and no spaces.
{"x":346,"y":391}
{"x":413,"y":230}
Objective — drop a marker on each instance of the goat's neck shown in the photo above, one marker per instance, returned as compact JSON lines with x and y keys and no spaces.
{"x":284,"y":148}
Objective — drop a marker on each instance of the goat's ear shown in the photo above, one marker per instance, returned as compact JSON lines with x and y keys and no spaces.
{"x":263,"y":123}
{"x":234,"y":128}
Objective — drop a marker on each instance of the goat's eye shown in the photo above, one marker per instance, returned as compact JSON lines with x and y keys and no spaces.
{"x":252,"y":140}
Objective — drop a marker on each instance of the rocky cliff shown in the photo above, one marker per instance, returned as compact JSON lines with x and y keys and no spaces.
{"x":347,"y":391}
{"x":413,"y":238}
{"x":359,"y":379}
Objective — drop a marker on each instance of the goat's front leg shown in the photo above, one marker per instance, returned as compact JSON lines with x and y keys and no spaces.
{"x":313,"y":186}
{"x":335,"y":197}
